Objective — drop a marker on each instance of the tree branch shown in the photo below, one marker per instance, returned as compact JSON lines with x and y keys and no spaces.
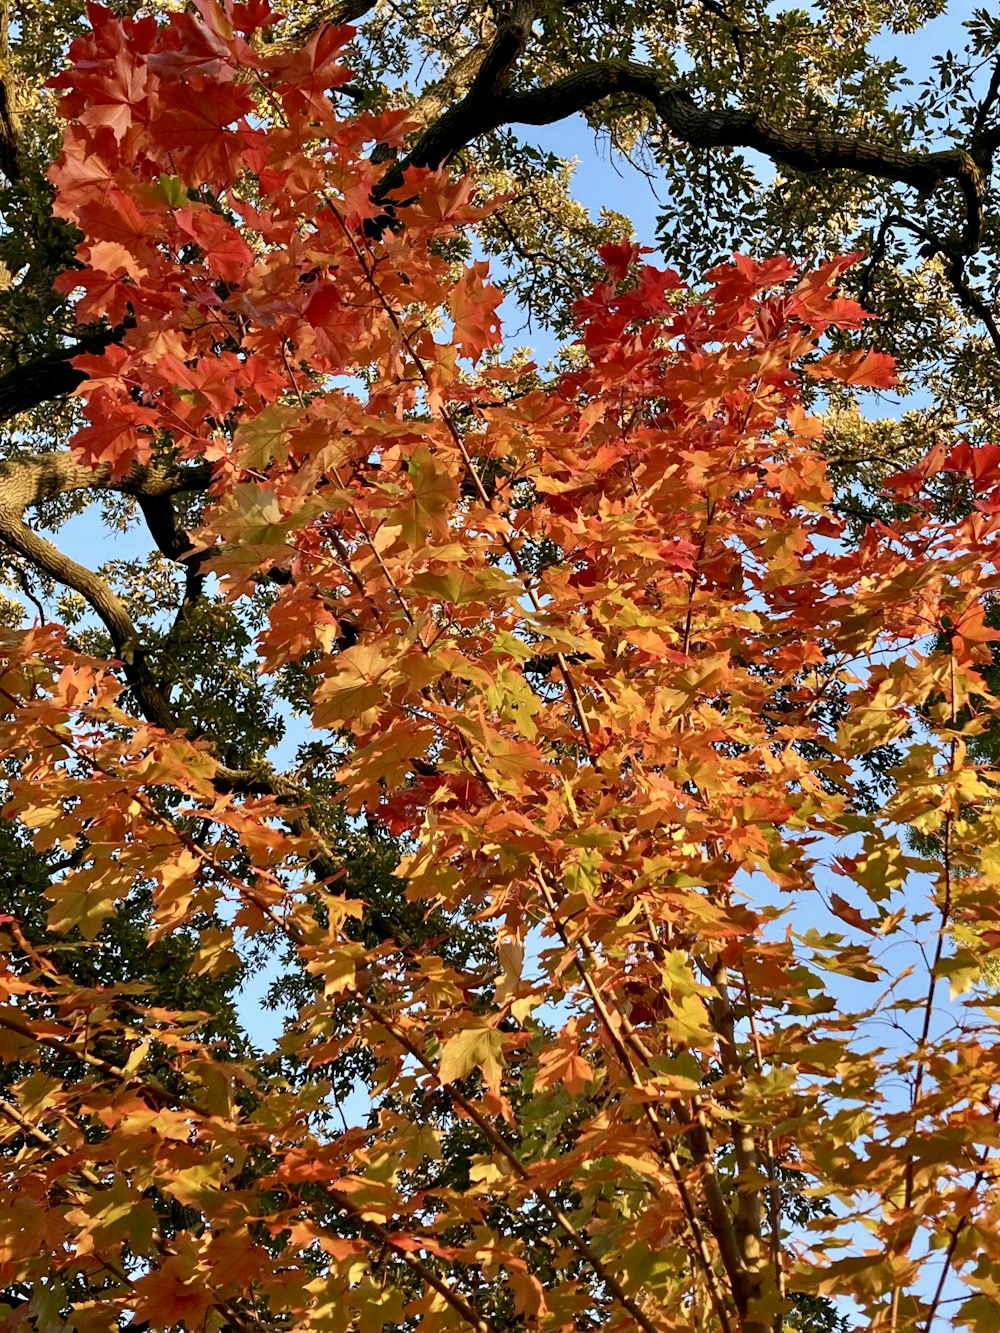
{"x":52,"y":376}
{"x":344,"y":11}
{"x":10,"y":124}
{"x":174,"y":542}
{"x":488,"y":89}
{"x":16,"y":534}
{"x":337,"y":14}
{"x":485,"y":108}
{"x":455,"y":83}
{"x":25,"y":482}
{"x":972,"y":301}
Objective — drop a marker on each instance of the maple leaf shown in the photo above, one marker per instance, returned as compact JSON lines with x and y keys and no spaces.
{"x":265,"y":437}
{"x":204,"y":136}
{"x":81,"y":174}
{"x":433,"y":490}
{"x":113,"y":438}
{"x":123,"y":95}
{"x":326,"y":306}
{"x":226,"y":252}
{"x":981,"y":464}
{"x":386,"y":761}
{"x":313,"y":69}
{"x":359,"y":681}
{"x":256,"y":515}
{"x":565,"y":1065}
{"x":619,"y":258}
{"x":602,"y":652}
{"x":172,"y":1293}
{"x":115,"y":217}
{"x":842,"y":908}
{"x":475,"y":1048}
{"x":473,"y":303}
{"x":862,"y":369}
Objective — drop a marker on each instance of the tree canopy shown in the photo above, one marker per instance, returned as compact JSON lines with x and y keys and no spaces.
{"x":591,"y":872}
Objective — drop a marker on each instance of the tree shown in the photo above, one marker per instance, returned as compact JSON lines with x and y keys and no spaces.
{"x":661,"y":83}
{"x":601,"y":653}
{"x":710,"y":81}
{"x":862,"y":159}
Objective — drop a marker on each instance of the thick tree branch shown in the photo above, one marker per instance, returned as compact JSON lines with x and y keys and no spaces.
{"x":25,"y":482}
{"x":344,"y":11}
{"x":10,"y":124}
{"x":16,"y":534}
{"x":483,"y":74}
{"x":455,"y":83}
{"x":10,"y":135}
{"x":48,"y":377}
{"x":512,"y":36}
{"x":174,"y":542}
{"x":490,"y":71}
{"x":337,"y":14}
{"x":485,"y":108}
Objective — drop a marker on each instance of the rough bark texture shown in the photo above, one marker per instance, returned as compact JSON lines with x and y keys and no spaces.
{"x":25,"y":482}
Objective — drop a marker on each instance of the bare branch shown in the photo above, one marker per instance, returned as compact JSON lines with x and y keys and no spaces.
{"x":486,"y":108}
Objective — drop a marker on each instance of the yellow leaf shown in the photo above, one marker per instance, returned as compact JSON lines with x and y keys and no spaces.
{"x":475,"y":1048}
{"x":360,"y":681}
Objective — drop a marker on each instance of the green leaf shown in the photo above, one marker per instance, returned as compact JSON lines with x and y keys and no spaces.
{"x":981,"y":1313}
{"x":171,"y":191}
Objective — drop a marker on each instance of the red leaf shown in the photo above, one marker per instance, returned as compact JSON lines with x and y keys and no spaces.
{"x":842,"y":908}
{"x":473,"y":303}
{"x":864,"y":369}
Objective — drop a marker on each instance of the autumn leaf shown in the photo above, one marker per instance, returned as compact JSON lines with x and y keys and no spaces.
{"x":475,"y":1048}
{"x":432,"y":492}
{"x":504,"y":729}
{"x":359,"y":681}
{"x":861,"y":369}
{"x":566,"y":1066}
{"x":473,"y":303}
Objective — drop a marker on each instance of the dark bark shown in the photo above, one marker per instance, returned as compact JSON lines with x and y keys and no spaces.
{"x":49,"y":377}
{"x":486,"y":107}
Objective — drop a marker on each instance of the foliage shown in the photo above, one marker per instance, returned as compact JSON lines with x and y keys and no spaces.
{"x":601,"y":654}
